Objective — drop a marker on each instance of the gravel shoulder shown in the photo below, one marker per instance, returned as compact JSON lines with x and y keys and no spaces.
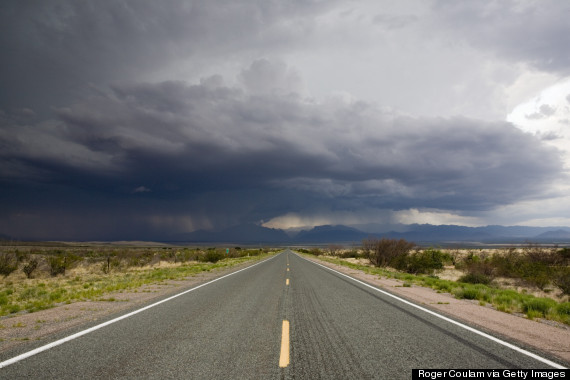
{"x":548,"y":337}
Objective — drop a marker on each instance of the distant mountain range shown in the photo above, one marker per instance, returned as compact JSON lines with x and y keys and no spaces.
{"x":418,"y":233}
{"x":423,"y":234}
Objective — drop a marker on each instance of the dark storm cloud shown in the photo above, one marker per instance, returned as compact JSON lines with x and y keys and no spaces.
{"x":54,"y":50}
{"x":93,"y":145}
{"x":225,"y":155}
{"x":534,"y":32}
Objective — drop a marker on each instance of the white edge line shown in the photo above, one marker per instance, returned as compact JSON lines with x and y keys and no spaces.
{"x":89,"y":330}
{"x":502,"y":342}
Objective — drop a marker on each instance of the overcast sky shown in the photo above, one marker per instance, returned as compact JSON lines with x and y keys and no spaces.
{"x":147,"y":119}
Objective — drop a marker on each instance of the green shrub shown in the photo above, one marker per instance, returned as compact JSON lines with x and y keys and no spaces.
{"x":479,"y":270}
{"x":458,"y":292}
{"x":467,"y":261}
{"x":419,"y":262}
{"x":60,"y":262}
{"x":57,"y":265}
{"x":562,"y":280}
{"x":137,"y":258}
{"x":14,"y":308}
{"x":384,"y":252}
{"x":430,"y":280}
{"x":507,"y":263}
{"x":565,"y":254}
{"x":475,"y":278}
{"x":426,"y":261}
{"x":8,"y":263}
{"x":536,"y":253}
{"x":538,"y":305}
{"x":212,"y":256}
{"x":470,"y":293}
{"x":315,"y":251}
{"x":444,"y":286}
{"x":186,"y":255}
{"x":564,"y":308}
{"x":353,"y":253}
{"x":30,"y":267}
{"x":110,"y":263}
{"x":167,"y":255}
{"x":536,"y":265}
{"x":535,"y":273}
{"x":505,"y":300}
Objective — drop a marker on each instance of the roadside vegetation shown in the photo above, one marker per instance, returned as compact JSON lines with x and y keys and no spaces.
{"x":503,"y":278}
{"x":37,"y":278}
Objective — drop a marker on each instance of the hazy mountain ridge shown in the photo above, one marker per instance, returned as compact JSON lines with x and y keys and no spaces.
{"x":415,"y":232}
{"x":328,"y":233}
{"x":558,"y":234}
{"x":418,"y":233}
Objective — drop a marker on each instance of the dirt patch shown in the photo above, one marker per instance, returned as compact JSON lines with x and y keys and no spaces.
{"x":450,"y":273}
{"x":547,"y":336}
{"x":359,"y":261}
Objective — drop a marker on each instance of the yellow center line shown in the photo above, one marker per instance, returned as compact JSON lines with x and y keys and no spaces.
{"x":287,"y":269}
{"x":287,"y":282}
{"x":284,"y":357}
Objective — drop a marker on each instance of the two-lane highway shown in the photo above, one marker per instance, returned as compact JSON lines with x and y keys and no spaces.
{"x":283,"y":318}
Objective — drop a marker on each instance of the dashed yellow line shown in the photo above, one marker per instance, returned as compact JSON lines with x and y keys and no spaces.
{"x":284,"y":357}
{"x":287,"y":269}
{"x":287,"y":282}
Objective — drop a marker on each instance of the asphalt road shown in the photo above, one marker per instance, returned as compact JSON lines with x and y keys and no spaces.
{"x":233,"y":329}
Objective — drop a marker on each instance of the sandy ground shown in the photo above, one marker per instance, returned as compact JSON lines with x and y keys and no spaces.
{"x":546,"y":336}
